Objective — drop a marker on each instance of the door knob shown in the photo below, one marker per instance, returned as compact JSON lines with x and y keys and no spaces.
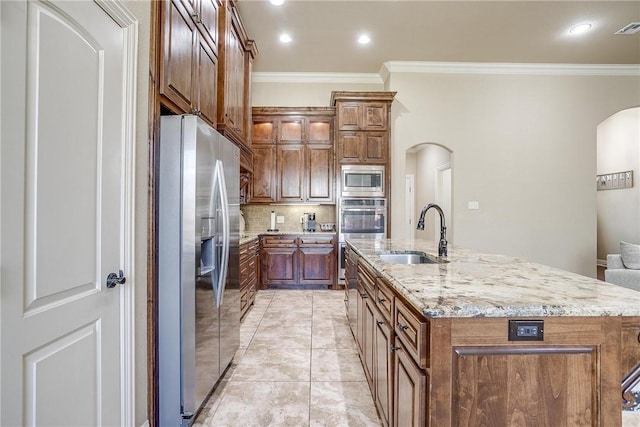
{"x":113,"y":279}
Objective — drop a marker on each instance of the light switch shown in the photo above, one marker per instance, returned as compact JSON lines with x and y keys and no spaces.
{"x":280,"y":219}
{"x":474,"y":205}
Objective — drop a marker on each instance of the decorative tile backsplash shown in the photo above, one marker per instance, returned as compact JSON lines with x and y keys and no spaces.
{"x":257,"y":217}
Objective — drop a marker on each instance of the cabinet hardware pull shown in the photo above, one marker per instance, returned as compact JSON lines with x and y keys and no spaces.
{"x":402,"y":327}
{"x":379,"y":322}
{"x":381,"y":300}
{"x":394,"y":348}
{"x":363,"y":296}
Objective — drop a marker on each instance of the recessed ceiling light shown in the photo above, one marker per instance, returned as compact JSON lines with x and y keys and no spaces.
{"x":285,"y":38}
{"x":364,"y":39}
{"x":580,"y":28}
{"x":276,"y":2}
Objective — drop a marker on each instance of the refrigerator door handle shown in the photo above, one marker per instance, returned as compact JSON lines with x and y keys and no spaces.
{"x":224,"y":202}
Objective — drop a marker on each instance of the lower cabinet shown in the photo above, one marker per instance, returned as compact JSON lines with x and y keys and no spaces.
{"x":249,"y":253}
{"x":298,"y":261}
{"x":409,"y":391}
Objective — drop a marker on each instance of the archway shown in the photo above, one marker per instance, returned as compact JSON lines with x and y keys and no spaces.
{"x":428,"y":179}
{"x":618,"y":150}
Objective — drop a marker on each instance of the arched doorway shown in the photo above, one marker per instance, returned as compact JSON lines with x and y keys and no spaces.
{"x":618,"y":150}
{"x":428,"y":179}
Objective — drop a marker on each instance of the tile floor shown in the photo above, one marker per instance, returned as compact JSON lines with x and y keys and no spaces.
{"x":298,"y":365}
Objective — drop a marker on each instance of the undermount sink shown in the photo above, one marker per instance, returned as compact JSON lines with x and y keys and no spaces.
{"x":409,"y":257}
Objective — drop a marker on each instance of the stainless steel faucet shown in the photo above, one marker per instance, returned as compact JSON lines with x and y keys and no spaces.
{"x":442,"y":244}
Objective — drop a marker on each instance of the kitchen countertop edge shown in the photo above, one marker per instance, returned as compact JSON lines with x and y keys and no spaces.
{"x":474,"y":284}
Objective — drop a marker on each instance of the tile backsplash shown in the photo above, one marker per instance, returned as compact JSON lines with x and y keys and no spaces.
{"x":257,"y":217}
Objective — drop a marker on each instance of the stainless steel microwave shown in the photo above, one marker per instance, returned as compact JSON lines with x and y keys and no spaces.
{"x":362,"y":181}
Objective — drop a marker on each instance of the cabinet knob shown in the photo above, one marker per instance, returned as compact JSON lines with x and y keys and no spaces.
{"x":394,"y":348}
{"x":363,"y":296}
{"x":379,"y":322}
{"x":402,"y":327}
{"x":381,"y":300}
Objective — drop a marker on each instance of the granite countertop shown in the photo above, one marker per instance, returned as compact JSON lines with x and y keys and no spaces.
{"x":252,"y":235}
{"x":475,"y":284}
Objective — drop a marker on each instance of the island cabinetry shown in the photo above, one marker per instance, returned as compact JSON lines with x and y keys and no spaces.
{"x":363,"y":127}
{"x":375,"y":339}
{"x":352,"y":295}
{"x":248,"y":274}
{"x":293,"y":155}
{"x":188,"y":58}
{"x":298,"y":261}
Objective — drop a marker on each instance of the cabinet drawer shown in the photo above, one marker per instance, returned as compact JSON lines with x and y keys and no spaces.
{"x":385,"y":300}
{"x":317,"y":240}
{"x":279,"y":241}
{"x":367,"y":278}
{"x":413,"y":332}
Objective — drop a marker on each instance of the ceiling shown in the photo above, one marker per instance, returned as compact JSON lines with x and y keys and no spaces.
{"x":324,"y":33}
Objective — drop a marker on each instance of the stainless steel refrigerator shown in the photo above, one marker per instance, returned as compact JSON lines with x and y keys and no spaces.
{"x":198,"y":264}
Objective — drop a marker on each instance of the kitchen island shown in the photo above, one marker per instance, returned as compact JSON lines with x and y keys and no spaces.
{"x":482,"y":339}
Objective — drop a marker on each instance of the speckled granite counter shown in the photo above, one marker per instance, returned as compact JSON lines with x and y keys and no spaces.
{"x":473,"y":284}
{"x":253,"y":235}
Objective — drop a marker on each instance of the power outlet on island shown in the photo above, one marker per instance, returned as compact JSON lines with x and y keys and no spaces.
{"x":473,"y":205}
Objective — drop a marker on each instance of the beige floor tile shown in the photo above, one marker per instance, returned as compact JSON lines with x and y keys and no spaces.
{"x":336,"y":365}
{"x":273,"y":364}
{"x":327,"y":335}
{"x":286,"y":319}
{"x":338,"y":404}
{"x":630,"y":419}
{"x":283,"y":336}
{"x":262,"y":404}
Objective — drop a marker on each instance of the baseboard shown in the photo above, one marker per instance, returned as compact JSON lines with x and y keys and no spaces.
{"x":602,"y":263}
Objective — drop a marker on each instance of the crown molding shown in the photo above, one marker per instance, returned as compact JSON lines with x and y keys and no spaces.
{"x":366,"y":78}
{"x":508,"y":68}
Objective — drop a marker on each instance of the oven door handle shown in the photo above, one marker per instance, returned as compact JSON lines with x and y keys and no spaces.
{"x":362,"y":210}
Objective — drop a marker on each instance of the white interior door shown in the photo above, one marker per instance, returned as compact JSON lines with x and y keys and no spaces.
{"x":65,"y":200}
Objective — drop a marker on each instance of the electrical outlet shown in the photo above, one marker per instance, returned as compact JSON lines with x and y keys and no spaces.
{"x":473,"y":205}
{"x":280,"y":219}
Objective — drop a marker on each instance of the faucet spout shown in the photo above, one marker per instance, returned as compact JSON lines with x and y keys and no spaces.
{"x":442,"y":244}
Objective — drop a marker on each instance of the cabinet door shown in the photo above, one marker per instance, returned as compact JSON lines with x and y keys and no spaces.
{"x":317,"y":265}
{"x":291,"y":130}
{"x":375,"y":147}
{"x":375,"y":116}
{"x":319,"y":173}
{"x":290,"y":169}
{"x":369,"y":342}
{"x":409,"y":392}
{"x":207,"y":72}
{"x":349,"y":116}
{"x":350,"y":147}
{"x":234,"y":68}
{"x":207,"y":19}
{"x":263,"y":184}
{"x":279,"y":266}
{"x":178,"y":71}
{"x":320,"y":130}
{"x":383,"y":367}
{"x":360,"y":303}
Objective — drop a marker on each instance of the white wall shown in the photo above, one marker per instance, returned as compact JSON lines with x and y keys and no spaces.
{"x":618,"y":210}
{"x":268,"y":94}
{"x":525,"y":148}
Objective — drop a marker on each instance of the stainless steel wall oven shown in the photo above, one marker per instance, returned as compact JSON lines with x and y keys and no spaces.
{"x":360,"y":218}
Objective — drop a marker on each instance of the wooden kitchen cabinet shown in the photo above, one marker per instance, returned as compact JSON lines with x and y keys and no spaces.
{"x":363,"y":127}
{"x":279,"y":260}
{"x":304,"y":164}
{"x":249,"y":253}
{"x":298,"y":261}
{"x":189,"y":71}
{"x":409,"y":390}
{"x":237,"y":52}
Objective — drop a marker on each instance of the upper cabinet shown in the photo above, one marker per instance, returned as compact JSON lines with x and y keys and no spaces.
{"x":205,"y":62}
{"x":236,"y":57}
{"x":363,"y":127}
{"x":293,"y":155}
